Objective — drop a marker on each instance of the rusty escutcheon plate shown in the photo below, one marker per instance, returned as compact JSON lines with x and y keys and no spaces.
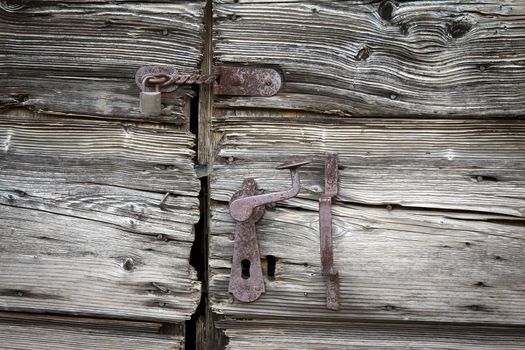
{"x":247,"y":81}
{"x":247,"y":207}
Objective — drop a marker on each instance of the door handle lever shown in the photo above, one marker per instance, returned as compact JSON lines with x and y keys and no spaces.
{"x":242,"y":208}
{"x":247,"y":207}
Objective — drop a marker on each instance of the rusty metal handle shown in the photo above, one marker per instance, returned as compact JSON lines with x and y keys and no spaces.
{"x":242,"y":208}
{"x":247,"y":207}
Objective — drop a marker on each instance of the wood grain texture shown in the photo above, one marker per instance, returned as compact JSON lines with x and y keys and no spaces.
{"x":381,"y":58}
{"x":208,"y":335}
{"x":422,"y":265}
{"x":82,"y":229}
{"x":127,"y":155}
{"x":205,"y":150}
{"x":80,"y":57}
{"x":20,"y":332}
{"x":87,"y":322}
{"x":428,"y":163}
{"x":296,"y":335}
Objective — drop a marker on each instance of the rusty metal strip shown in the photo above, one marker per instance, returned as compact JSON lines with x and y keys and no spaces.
{"x":246,"y":81}
{"x":325,"y":228}
{"x":165,"y":78}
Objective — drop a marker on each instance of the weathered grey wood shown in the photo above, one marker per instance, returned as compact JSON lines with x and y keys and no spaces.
{"x":205,"y":150}
{"x":57,"y":263}
{"x":80,"y":58}
{"x":381,"y":58}
{"x":430,"y":163}
{"x":297,"y":335}
{"x":82,"y":229}
{"x":80,"y":152}
{"x":87,"y":322}
{"x":429,"y":221}
{"x":422,"y":265}
{"x":209,"y":336}
{"x":21,"y":332}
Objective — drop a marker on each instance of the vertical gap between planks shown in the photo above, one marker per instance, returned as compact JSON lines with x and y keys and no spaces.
{"x":205,"y":105}
{"x":201,"y":332}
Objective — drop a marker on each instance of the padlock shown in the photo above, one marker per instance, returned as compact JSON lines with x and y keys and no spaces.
{"x":150,"y":103}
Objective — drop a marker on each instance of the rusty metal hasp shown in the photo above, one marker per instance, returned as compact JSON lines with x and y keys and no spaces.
{"x":246,"y":81}
{"x":325,"y":228}
{"x":228,"y":81}
{"x":247,"y":206}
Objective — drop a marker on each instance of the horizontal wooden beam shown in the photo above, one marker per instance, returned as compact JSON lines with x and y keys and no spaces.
{"x":368,"y":336}
{"x":27,"y":331}
{"x":439,"y":58}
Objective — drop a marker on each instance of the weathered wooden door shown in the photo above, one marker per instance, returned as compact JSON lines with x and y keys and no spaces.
{"x":82,"y":174}
{"x":422,"y":100}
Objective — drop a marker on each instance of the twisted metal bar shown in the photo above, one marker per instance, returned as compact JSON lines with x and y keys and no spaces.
{"x":164,"y":80}
{"x":190,"y":79}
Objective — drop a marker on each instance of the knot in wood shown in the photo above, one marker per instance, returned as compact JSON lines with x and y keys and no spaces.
{"x":12,"y":5}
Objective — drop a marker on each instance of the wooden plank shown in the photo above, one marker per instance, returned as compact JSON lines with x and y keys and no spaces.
{"x":80,"y":58}
{"x":381,"y":58}
{"x":82,"y":322}
{"x":208,"y":335}
{"x":429,"y":163}
{"x":411,"y":265}
{"x":205,"y":150}
{"x":127,"y":155}
{"x":82,"y":229}
{"x":296,"y":335}
{"x":56,"y":333}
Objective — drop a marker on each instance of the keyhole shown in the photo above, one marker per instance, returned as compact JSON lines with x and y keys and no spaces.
{"x":271,"y":261}
{"x":245,"y":265}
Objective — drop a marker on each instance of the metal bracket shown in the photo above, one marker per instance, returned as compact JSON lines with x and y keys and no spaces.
{"x":247,"y":206}
{"x":325,"y":228}
{"x":246,"y":81}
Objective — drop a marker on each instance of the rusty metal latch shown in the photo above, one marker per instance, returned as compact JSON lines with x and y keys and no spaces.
{"x":325,"y":228}
{"x":227,"y":81}
{"x":247,"y":206}
{"x":246,"y":81}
